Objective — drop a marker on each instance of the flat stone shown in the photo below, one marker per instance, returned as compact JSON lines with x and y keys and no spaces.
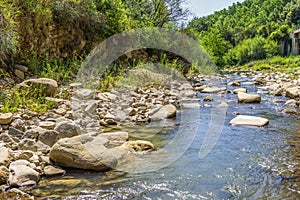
{"x":213,"y":90}
{"x":6,"y":118}
{"x":76,"y":85}
{"x":292,"y":92}
{"x":240,"y":90}
{"x":243,"y":120}
{"x":47,"y":125}
{"x":60,"y":111}
{"x":248,"y":98}
{"x":51,"y":170}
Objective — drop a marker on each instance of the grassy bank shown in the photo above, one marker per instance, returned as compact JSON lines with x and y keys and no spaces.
{"x":289,"y":65}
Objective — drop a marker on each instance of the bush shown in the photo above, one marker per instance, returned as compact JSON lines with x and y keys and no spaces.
{"x":252,"y":49}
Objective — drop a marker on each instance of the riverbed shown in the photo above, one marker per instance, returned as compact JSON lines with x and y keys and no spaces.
{"x":245,"y":163}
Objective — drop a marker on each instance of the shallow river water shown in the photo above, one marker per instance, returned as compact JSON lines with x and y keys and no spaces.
{"x":245,"y":163}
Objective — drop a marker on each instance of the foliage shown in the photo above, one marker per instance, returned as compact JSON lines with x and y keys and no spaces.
{"x":253,"y":25}
{"x":252,"y":49}
{"x":289,"y":65}
{"x":17,"y":99}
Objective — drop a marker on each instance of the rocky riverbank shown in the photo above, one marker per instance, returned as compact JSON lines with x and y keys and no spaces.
{"x":34,"y":146}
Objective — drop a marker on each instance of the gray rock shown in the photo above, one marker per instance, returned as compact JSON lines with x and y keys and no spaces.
{"x":213,"y":90}
{"x":21,"y":68}
{"x":19,"y":74}
{"x":292,"y":103}
{"x":22,"y":175}
{"x":167,"y":111}
{"x":48,"y":137}
{"x":15,"y":132}
{"x":51,"y":170}
{"x":240,"y":90}
{"x":248,"y":98}
{"x":293,"y":92}
{"x":47,"y":125}
{"x":83,"y":152}
{"x":243,"y":120}
{"x":27,"y":144}
{"x":67,"y":129}
{"x":117,"y":138}
{"x":84,"y":94}
{"x":5,"y":156}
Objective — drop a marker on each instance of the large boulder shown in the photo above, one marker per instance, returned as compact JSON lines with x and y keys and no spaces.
{"x":248,"y":98}
{"x":84,"y":152}
{"x":243,"y":120}
{"x":22,"y":174}
{"x":167,"y":111}
{"x":47,"y":85}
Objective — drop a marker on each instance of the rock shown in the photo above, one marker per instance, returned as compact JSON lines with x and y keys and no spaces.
{"x":84,"y":94}
{"x":48,"y":86}
{"x":32,"y":133}
{"x":235,"y":83}
{"x":76,"y":85}
{"x":51,"y":170}
{"x":208,"y":99}
{"x":60,"y":111}
{"x":290,"y":111}
{"x":91,"y":108}
{"x":292,"y":103}
{"x":3,"y":177}
{"x":117,"y":138}
{"x":167,"y":111}
{"x":248,"y":98}
{"x":15,"y":132}
{"x":223,"y":105}
{"x":15,"y":194}
{"x":243,"y":120}
{"x":47,"y":125}
{"x":48,"y":137}
{"x":21,"y":68}
{"x":6,"y":118}
{"x":83,"y":152}
{"x":240,"y":90}
{"x":4,"y":156}
{"x":292,"y":92}
{"x":22,"y":175}
{"x":138,"y":146}
{"x":27,"y":144}
{"x":109,"y":116}
{"x":7,"y":139}
{"x":213,"y":90}
{"x":18,"y":124}
{"x":19,"y":74}
{"x":67,"y":129}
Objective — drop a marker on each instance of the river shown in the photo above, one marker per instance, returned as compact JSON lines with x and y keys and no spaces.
{"x":245,"y":163}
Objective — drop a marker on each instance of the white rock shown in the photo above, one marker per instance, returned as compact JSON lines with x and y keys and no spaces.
{"x":243,"y":120}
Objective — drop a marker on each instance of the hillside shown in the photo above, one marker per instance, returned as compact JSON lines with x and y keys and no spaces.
{"x":251,"y":30}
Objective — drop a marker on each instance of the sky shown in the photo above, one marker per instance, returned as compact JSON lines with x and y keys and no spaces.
{"x":202,"y":8}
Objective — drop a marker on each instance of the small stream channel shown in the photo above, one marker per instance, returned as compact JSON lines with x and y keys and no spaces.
{"x":245,"y":163}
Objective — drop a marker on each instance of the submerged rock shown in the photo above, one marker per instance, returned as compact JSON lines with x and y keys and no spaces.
{"x":243,"y":120}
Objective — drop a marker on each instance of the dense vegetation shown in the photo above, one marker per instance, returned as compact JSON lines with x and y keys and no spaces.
{"x":251,"y":30}
{"x":38,"y":32}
